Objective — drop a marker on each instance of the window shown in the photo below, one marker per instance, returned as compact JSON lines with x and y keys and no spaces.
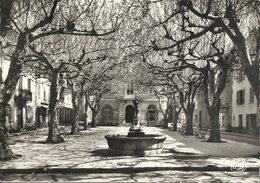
{"x":107,"y":113}
{"x":240,"y":97}
{"x":129,"y":91}
{"x":251,"y":95}
{"x":151,"y":113}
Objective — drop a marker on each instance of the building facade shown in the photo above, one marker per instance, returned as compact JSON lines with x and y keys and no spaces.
{"x":119,"y":110}
{"x":28,"y":107}
{"x":244,"y":107}
{"x":238,"y":111}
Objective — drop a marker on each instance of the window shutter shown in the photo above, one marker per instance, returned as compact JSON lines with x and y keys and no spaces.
{"x":243,"y":96}
{"x":238,"y":97}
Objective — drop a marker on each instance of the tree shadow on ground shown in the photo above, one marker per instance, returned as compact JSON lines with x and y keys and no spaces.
{"x":223,"y":141}
{"x":177,"y":152}
{"x":108,"y":153}
{"x":102,"y":152}
{"x":255,"y":156}
{"x":46,"y":142}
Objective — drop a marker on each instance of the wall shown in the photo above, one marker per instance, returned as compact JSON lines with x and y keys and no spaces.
{"x":240,"y":112}
{"x":119,"y":105}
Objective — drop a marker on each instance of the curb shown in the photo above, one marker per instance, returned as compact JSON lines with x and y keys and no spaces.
{"x":125,"y":170}
{"x":241,"y":135}
{"x":25,"y":132}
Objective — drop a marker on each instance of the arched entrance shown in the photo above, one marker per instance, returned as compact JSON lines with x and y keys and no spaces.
{"x":129,"y":114}
{"x":152,"y":115}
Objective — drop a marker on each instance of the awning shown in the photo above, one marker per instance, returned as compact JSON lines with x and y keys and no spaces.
{"x":44,"y":105}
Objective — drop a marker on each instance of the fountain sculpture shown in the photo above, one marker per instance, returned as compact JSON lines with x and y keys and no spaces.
{"x":136,"y":142}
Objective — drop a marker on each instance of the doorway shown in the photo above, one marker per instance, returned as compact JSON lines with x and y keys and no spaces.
{"x":20,"y":116}
{"x":129,"y":114}
{"x":240,"y":124}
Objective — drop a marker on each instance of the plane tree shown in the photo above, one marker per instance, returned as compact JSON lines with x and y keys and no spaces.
{"x":180,"y":84}
{"x":98,"y":83}
{"x":205,"y":63}
{"x":200,"y":37}
{"x":30,"y":21}
{"x":50,"y":56}
{"x":88,"y":87}
{"x":237,"y":20}
{"x":15,"y":38}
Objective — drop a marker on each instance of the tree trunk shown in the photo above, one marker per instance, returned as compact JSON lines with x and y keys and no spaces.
{"x":250,"y":70}
{"x":75,"y":114}
{"x":5,"y":150}
{"x":165,"y":122}
{"x":86,"y":114}
{"x":167,"y":116}
{"x":189,"y":120}
{"x":6,"y":94}
{"x":6,"y":8}
{"x":213,"y":112}
{"x":53,"y":122}
{"x":93,"y":121}
{"x":74,"y":123}
{"x":176,"y":116}
{"x":170,"y":115}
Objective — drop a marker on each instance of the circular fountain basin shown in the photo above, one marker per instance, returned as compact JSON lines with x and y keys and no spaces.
{"x":145,"y":145}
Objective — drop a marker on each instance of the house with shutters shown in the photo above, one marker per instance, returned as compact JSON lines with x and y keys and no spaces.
{"x":238,"y":111}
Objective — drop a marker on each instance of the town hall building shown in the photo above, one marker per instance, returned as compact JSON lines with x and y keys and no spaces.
{"x":119,"y":110}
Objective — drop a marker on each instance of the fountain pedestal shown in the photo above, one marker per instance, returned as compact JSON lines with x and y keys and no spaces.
{"x":135,"y":130}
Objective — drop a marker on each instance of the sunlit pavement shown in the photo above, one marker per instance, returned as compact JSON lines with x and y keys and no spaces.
{"x":151,"y":176}
{"x":84,"y":157}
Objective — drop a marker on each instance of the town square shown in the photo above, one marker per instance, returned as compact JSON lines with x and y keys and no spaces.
{"x":129,"y":91}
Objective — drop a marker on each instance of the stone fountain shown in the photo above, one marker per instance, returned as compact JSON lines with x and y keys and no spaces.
{"x":136,"y":142}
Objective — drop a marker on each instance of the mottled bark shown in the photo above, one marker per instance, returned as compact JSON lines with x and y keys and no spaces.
{"x":5,"y":151}
{"x":213,"y":86}
{"x":86,"y":114}
{"x":6,"y":7}
{"x":176,"y":117}
{"x":74,"y":123}
{"x":93,"y":121}
{"x":75,"y":113}
{"x":169,"y":115}
{"x":188,"y":105}
{"x":77,"y":97}
{"x":53,"y":122}
{"x":165,"y":122}
{"x":7,"y":92}
{"x":213,"y":112}
{"x":189,"y":119}
{"x":250,"y":67}
{"x":94,"y":106}
{"x":167,"y":111}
